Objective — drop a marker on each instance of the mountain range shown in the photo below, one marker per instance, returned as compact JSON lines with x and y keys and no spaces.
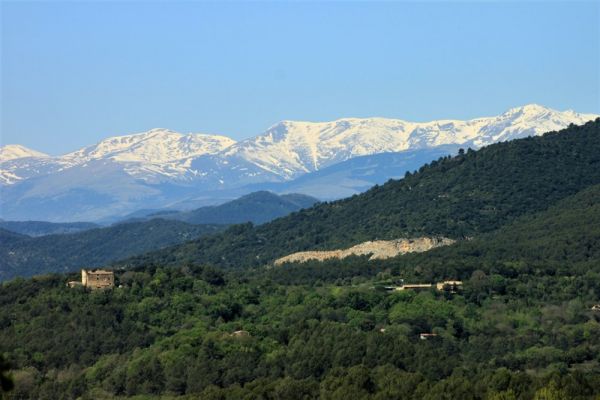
{"x":161,"y":168}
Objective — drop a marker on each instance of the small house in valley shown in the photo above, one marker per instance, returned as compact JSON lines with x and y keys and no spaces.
{"x":449,"y":286}
{"x":415,"y":286}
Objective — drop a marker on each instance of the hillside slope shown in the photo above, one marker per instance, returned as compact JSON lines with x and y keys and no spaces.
{"x":562,"y":240}
{"x":41,"y":228}
{"x":358,"y":174}
{"x":522,"y":326}
{"x":472,"y":193}
{"x":25,"y":256}
{"x":10,"y":237}
{"x":257,"y":207}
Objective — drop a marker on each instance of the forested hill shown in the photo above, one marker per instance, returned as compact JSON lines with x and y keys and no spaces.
{"x":22,"y":255}
{"x":563,"y":240}
{"x":462,"y":196}
{"x":522,"y":327}
{"x":258,"y":207}
{"x":41,"y":228}
{"x":11,"y":237}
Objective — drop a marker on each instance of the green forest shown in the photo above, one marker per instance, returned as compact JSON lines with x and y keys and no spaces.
{"x":211,"y":319}
{"x":22,"y":255}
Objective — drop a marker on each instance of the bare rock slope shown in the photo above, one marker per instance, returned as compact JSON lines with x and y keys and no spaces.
{"x":378,"y":250}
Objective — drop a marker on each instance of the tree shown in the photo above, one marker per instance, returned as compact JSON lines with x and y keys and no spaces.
{"x":6,"y":382}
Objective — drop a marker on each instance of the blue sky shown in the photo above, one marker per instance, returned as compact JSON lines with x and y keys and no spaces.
{"x":74,"y":73}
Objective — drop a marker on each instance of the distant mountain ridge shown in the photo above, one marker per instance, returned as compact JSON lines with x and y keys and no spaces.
{"x":15,"y":151}
{"x":358,"y":174}
{"x":62,"y":247}
{"x":158,"y":168}
{"x":291,"y":148}
{"x":257,"y":207}
{"x":147,"y":156}
{"x":42,"y":228}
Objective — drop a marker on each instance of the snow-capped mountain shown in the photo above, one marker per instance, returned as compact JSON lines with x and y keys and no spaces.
{"x":157,"y":146}
{"x":292,"y":148}
{"x":160,"y":167}
{"x":12,"y":151}
{"x":18,"y":161}
{"x":153,"y":156}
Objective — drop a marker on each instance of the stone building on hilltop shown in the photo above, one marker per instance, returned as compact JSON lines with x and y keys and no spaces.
{"x":95,"y":279}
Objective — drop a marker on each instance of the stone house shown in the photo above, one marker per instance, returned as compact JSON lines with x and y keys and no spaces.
{"x":95,"y":279}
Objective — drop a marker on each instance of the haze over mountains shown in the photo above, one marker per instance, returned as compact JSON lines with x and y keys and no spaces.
{"x":257,"y":207}
{"x":42,"y":228}
{"x":34,"y":247}
{"x":161,"y":168}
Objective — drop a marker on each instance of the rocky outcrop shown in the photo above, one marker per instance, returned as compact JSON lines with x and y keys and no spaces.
{"x":378,"y":250}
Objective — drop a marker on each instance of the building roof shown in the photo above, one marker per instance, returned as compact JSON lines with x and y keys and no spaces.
{"x":417,"y":285}
{"x":99,"y":272}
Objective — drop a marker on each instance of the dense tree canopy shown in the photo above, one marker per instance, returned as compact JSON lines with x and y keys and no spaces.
{"x":521,"y":328}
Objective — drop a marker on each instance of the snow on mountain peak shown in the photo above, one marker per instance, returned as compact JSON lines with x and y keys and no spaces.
{"x":291,"y":148}
{"x":528,"y":109}
{"x":15,"y":151}
{"x":156,"y":146}
{"x":19,"y":162}
{"x":528,"y":120}
{"x":153,"y":155}
{"x":538,"y":112}
{"x":285,"y":150}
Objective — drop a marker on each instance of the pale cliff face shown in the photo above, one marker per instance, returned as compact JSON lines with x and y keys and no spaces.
{"x":378,"y":250}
